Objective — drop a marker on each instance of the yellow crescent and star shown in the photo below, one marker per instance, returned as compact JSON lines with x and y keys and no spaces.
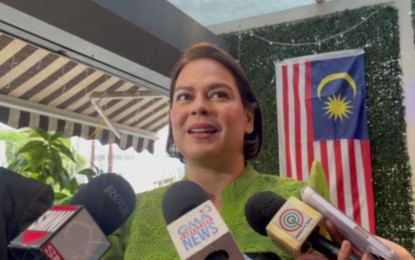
{"x":337,"y":106}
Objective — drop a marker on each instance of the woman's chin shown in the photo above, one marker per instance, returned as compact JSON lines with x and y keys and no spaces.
{"x":202,"y":156}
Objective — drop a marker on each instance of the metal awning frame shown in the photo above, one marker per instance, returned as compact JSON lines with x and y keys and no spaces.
{"x":32,"y":107}
{"x":159,"y":83}
{"x":96,"y":96}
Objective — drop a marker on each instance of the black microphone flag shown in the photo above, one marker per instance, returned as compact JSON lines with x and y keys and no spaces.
{"x":79,"y":231}
{"x":62,"y":232}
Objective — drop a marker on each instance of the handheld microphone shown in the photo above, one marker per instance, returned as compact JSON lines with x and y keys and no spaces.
{"x":195,"y":226}
{"x":79,"y":231}
{"x":22,"y":201}
{"x":291,"y":224}
{"x":110,"y":200}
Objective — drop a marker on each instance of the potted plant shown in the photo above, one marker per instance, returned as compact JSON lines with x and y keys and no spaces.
{"x":47,"y":157}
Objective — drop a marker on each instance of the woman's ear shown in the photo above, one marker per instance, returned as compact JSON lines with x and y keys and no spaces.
{"x":249,"y":126}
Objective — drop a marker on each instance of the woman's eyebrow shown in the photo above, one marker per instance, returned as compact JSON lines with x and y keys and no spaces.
{"x":218,"y":86}
{"x":183,"y":88}
{"x":211,"y":87}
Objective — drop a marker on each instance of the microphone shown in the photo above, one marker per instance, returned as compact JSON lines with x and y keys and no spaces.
{"x":110,"y":200}
{"x":79,"y":231}
{"x":195,"y":226}
{"x":291,"y":224}
{"x":22,"y":201}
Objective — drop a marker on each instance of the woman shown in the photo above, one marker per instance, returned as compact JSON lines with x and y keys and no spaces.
{"x":215,"y":129}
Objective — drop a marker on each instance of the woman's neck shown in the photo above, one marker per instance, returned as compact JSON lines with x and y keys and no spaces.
{"x":214,"y":180}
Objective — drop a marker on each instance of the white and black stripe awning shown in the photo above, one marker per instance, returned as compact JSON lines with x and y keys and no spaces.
{"x":92,"y":68}
{"x":42,"y":89}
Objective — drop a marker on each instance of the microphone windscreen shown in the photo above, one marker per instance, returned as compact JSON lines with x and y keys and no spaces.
{"x":180,"y":198}
{"x":261,"y":208}
{"x":110,"y":200}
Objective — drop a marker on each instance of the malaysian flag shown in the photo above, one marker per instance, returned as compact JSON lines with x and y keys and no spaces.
{"x":322,"y":116}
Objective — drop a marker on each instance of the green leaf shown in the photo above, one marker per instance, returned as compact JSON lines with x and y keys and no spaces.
{"x":63,"y":178}
{"x":42,"y":133}
{"x":13,"y":136}
{"x":34,"y":175}
{"x":56,"y":163}
{"x":30,"y":146}
{"x":39,"y":156}
{"x":13,"y":166}
{"x":63,"y":149}
{"x":87,"y":172}
{"x":60,"y":195}
{"x":56,"y":136}
{"x":73,"y":186}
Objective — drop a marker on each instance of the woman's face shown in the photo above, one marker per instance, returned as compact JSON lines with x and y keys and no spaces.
{"x":207,"y":116}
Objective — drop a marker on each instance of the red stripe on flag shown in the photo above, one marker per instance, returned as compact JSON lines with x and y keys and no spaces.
{"x":285,"y":108}
{"x":325,"y":159}
{"x":338,"y":158}
{"x":309,"y":111}
{"x":367,"y":168}
{"x":64,"y":208}
{"x":297,"y":122}
{"x":354,"y":182}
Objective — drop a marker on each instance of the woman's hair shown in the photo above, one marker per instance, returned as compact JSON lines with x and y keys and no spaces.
{"x":252,"y":141}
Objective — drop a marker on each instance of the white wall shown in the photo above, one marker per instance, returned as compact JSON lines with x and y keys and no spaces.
{"x":142,"y":170}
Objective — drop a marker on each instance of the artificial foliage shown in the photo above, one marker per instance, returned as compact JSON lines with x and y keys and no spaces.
{"x":375,"y":30}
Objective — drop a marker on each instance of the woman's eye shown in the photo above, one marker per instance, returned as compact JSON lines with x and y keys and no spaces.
{"x":221,"y":95}
{"x":183,"y":97}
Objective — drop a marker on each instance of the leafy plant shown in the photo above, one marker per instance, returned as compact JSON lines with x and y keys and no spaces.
{"x":48,"y":157}
{"x":13,"y":140}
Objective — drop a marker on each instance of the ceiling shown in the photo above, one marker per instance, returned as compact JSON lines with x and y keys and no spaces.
{"x":213,"y":12}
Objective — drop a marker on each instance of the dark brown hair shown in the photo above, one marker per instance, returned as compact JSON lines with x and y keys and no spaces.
{"x":252,"y":141}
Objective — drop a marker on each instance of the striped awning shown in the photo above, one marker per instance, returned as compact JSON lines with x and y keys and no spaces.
{"x":43,"y":89}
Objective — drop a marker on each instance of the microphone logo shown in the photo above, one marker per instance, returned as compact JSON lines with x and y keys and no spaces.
{"x":196,"y":228}
{"x":291,"y":220}
{"x":294,"y":221}
{"x":205,"y":209}
{"x":118,"y":200}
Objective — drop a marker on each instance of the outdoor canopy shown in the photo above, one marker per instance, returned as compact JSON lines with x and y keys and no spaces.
{"x":95,"y":69}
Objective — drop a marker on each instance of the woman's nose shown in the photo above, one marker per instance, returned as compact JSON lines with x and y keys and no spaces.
{"x":200,"y":106}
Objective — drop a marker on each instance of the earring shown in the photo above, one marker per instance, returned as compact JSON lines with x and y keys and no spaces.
{"x":250,"y":130}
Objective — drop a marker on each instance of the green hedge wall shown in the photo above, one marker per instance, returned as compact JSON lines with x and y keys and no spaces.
{"x":375,"y":30}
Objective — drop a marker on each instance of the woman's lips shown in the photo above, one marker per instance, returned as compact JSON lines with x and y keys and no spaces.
{"x":202,"y":130}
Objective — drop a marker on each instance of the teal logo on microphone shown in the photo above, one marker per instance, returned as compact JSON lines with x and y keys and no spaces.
{"x":291,"y":220}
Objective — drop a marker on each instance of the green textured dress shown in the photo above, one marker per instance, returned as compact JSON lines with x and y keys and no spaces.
{"x":145,"y":235}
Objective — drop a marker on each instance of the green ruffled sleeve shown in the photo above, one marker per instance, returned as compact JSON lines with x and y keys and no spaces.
{"x":119,"y":241}
{"x":145,"y":234}
{"x":318,"y":181}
